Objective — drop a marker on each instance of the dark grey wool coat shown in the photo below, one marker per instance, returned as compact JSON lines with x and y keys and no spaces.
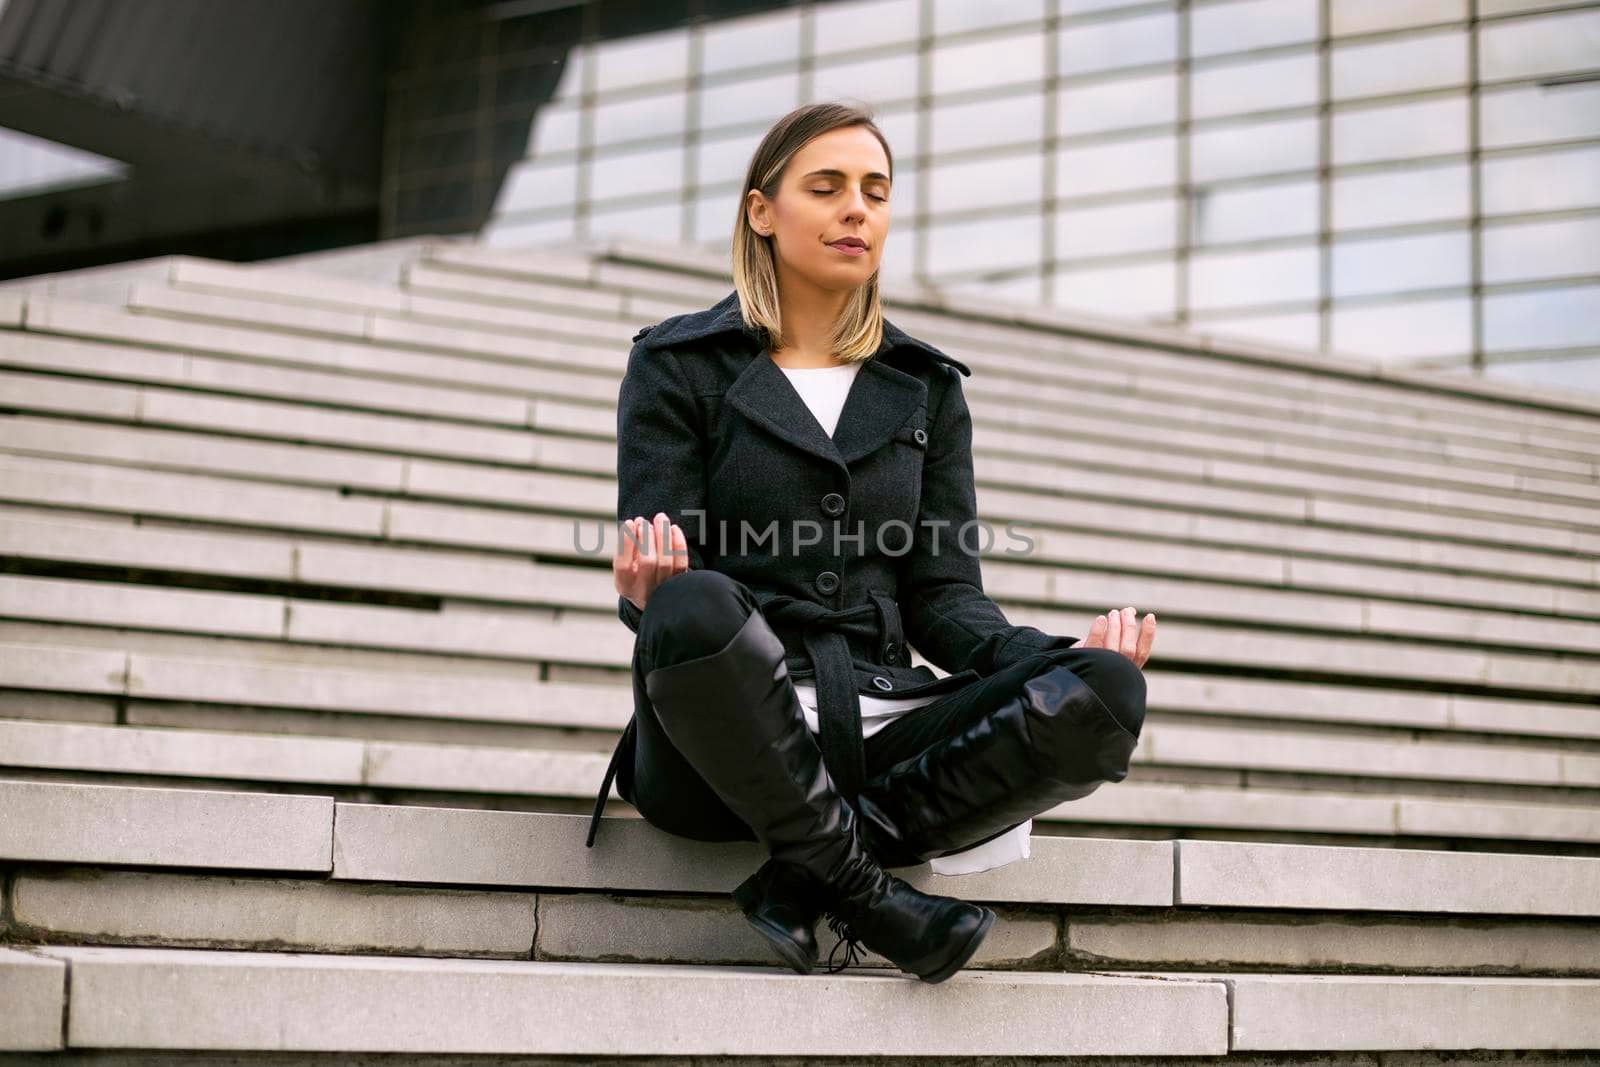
{"x":853,"y":545}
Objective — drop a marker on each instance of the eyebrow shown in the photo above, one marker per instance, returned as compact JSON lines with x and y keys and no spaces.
{"x":830,"y":173}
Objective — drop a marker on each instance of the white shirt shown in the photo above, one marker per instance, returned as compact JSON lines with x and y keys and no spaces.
{"x":824,"y":390}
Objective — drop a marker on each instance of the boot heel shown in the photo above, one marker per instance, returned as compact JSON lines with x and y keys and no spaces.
{"x":777,"y":919}
{"x":967,"y":951}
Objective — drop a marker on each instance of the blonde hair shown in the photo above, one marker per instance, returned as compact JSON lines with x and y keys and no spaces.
{"x":859,"y":331}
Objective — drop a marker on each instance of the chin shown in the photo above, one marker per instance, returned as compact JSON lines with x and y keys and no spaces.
{"x":855,"y":268}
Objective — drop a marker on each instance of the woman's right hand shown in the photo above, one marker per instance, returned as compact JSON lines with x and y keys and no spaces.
{"x":1122,"y":631}
{"x":652,"y":553}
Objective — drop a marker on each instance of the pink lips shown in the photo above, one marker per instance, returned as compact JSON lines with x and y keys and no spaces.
{"x":848,"y":249}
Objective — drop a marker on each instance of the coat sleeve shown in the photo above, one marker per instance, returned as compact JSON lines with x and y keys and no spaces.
{"x":660,"y":455}
{"x":947,"y":616}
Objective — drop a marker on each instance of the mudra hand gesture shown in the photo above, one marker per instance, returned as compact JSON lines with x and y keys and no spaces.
{"x":648,"y":556}
{"x":1122,"y":632}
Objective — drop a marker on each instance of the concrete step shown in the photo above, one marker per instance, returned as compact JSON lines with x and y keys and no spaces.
{"x":1470,"y":495}
{"x":193,"y":1000}
{"x":1227,"y":415}
{"x":1260,"y":523}
{"x":354,"y":999}
{"x":992,"y":329}
{"x":1289,"y":807}
{"x":408,"y":902}
{"x":1202,"y":416}
{"x":379,"y":262}
{"x":42,"y":483}
{"x":1013,"y":337}
{"x":256,"y":296}
{"x":210,"y":670}
{"x":593,"y":640}
{"x":1507,"y":612}
{"x":410,"y":844}
{"x":486,"y":388}
{"x":1172,"y":354}
{"x":177,"y":999}
{"x":126,"y":749}
{"x":1090,"y":926}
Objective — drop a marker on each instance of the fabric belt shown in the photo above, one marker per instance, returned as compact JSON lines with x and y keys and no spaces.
{"x":826,"y":635}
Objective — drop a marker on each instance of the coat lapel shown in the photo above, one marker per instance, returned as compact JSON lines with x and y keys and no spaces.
{"x":880,"y":401}
{"x":765,"y":396}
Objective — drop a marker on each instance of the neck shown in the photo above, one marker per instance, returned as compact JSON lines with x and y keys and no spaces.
{"x":809,"y":313}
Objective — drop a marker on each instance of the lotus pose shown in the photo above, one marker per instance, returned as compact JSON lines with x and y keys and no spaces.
{"x":796,"y":502}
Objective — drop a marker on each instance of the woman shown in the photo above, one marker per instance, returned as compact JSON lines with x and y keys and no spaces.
{"x":795,"y":476}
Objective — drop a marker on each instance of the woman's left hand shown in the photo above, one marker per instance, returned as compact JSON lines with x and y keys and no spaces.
{"x":1122,"y":632}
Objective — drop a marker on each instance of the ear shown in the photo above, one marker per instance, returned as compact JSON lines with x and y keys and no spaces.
{"x":756,"y":214}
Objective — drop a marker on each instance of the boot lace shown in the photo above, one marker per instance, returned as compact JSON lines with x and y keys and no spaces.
{"x":848,"y":939}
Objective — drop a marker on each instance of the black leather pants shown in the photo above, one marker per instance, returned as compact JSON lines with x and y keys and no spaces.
{"x":670,"y":794}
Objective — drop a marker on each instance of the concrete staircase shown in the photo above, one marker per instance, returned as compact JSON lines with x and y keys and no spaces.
{"x":309,"y":670}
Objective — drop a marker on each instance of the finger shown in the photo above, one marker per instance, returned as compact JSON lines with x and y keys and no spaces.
{"x":628,"y":583}
{"x":1130,"y":632}
{"x":680,"y":550}
{"x":1114,"y":630}
{"x":1097,"y":632}
{"x":630,"y":547}
{"x":619,"y":565}
{"x":647,"y":554}
{"x":1147,"y":638}
{"x":663,"y":546}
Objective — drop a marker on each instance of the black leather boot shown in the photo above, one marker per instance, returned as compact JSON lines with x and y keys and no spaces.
{"x":782,"y":902}
{"x":735,"y":717}
{"x":1053,"y":742}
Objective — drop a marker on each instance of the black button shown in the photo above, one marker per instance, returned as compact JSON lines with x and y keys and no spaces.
{"x":920,"y":435}
{"x":827,"y":581}
{"x":881,"y":682}
{"x":891,"y":651}
{"x":833,"y":504}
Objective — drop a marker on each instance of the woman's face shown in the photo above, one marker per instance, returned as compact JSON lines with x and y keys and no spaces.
{"x":836,"y":187}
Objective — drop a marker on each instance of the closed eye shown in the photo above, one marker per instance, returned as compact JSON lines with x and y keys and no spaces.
{"x":829,"y":192}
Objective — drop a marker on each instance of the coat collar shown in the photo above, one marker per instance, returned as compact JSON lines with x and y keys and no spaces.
{"x":881,"y":401}
{"x":726,"y":316}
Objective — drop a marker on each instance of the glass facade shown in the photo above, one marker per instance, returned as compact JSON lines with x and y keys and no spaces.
{"x":1412,"y":180}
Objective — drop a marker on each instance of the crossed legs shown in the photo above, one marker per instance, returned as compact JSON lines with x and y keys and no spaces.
{"x":943,"y":777}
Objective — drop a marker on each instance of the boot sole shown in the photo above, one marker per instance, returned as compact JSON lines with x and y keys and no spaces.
{"x":959,"y":960}
{"x":797,"y":959}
